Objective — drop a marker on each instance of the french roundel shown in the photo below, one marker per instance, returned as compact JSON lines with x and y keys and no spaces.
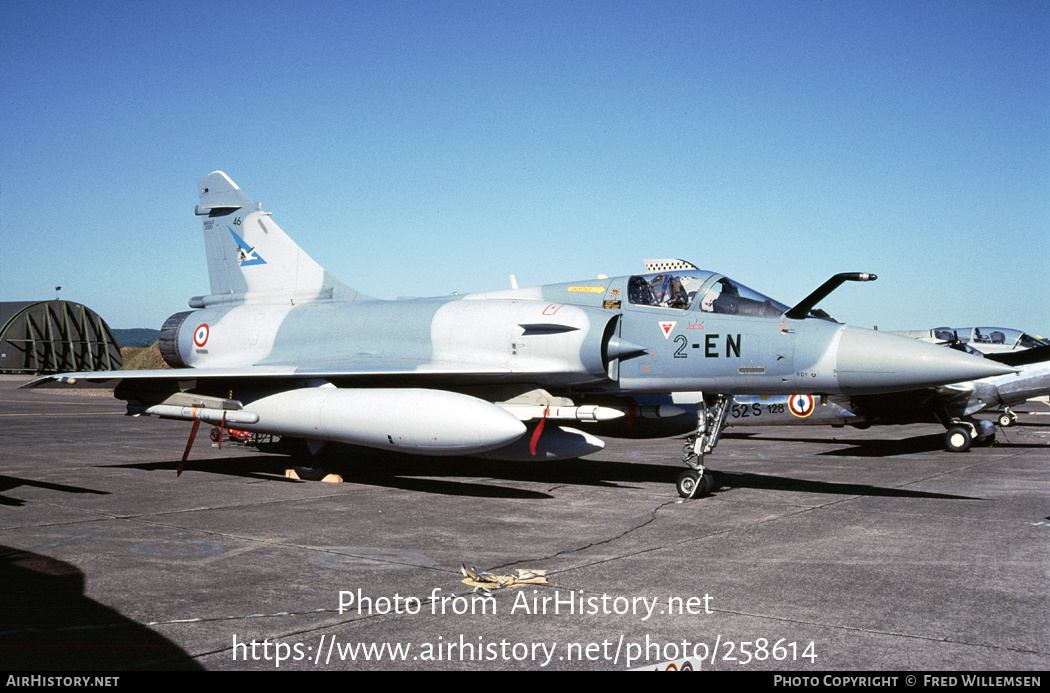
{"x":200,"y":335}
{"x":801,"y":405}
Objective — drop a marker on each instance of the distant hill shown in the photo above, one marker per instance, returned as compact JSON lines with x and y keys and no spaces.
{"x":138,"y":337}
{"x":142,"y":358}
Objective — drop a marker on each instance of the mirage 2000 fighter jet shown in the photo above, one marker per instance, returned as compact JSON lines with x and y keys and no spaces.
{"x":280,"y":346}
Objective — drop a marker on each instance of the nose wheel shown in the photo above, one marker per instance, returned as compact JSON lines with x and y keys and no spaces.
{"x":1007,"y":418}
{"x":695,"y":484}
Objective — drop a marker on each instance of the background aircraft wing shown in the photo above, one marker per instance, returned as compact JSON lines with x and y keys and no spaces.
{"x":1022,"y":357}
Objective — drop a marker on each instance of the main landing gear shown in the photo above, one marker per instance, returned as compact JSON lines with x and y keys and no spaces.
{"x":307,"y":457}
{"x":963,"y":434}
{"x":711,"y":419}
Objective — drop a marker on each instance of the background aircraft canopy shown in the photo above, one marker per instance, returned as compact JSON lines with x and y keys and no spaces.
{"x":998,"y":336}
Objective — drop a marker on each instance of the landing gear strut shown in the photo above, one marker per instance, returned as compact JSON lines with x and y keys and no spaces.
{"x":711,"y":420}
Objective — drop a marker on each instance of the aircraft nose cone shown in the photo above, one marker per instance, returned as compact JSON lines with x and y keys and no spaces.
{"x":869,"y":362}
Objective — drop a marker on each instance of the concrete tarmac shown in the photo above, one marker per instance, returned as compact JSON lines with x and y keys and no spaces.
{"x":820,"y":550}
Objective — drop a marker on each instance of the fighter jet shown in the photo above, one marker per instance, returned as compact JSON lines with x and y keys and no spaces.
{"x":953,"y":405}
{"x":984,"y":340}
{"x":279,"y":346}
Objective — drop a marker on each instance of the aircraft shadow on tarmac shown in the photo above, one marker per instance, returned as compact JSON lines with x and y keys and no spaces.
{"x":880,"y":447}
{"x":48,"y":624}
{"x":9,"y":482}
{"x":429,"y":475}
{"x":729,"y":480}
{"x":403,"y":472}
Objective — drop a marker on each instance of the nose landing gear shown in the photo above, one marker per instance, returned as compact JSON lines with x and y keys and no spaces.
{"x":711,"y":419}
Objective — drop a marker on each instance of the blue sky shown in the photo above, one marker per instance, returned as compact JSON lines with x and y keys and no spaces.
{"x":422,"y":148}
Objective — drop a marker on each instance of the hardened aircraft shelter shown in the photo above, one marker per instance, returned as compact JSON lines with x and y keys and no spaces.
{"x":53,"y":337}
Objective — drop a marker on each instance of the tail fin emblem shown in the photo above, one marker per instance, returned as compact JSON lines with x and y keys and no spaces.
{"x":245,"y":253}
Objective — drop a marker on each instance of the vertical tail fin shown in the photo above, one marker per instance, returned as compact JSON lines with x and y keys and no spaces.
{"x":249,"y":256}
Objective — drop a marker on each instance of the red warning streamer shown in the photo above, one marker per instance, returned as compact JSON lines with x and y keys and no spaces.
{"x":189,"y":444}
{"x":539,"y":429}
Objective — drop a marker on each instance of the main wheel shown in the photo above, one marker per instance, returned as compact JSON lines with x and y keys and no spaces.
{"x":310,"y":473}
{"x":958,"y":439}
{"x":1006,"y":419}
{"x":304,"y":462}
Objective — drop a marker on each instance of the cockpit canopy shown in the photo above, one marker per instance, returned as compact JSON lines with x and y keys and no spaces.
{"x":700,"y":290}
{"x":996,"y":336}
